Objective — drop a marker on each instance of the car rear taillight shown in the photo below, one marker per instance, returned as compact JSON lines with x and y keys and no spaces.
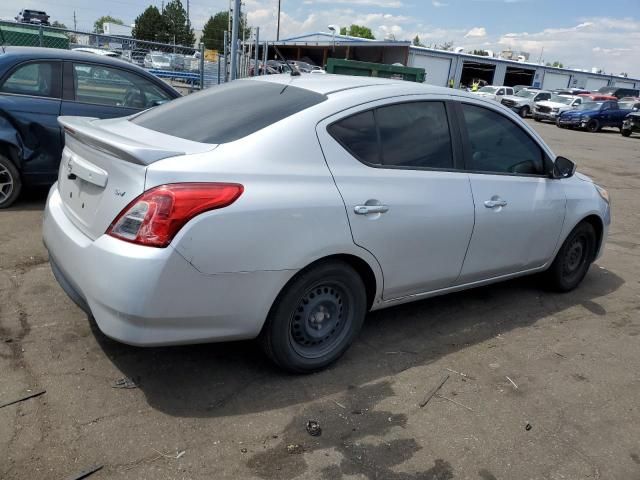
{"x":154,"y":218}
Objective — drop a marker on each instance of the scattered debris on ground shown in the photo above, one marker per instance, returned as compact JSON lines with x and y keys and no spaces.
{"x":22,"y":399}
{"x":430,"y":395}
{"x":126,"y":383}
{"x":86,"y":472}
{"x":295,"y":449}
{"x":313,"y":428}
{"x":512,"y":383}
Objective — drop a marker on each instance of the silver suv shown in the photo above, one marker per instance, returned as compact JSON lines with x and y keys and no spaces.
{"x":523,"y":102}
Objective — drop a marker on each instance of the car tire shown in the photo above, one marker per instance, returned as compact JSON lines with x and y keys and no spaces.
{"x":625,"y":133}
{"x":573,"y":259}
{"x":537,"y":119}
{"x":593,"y":126}
{"x":524,"y":111}
{"x":10,"y":182}
{"x":315,"y":318}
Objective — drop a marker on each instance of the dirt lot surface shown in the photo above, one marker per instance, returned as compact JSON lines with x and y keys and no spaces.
{"x":549,"y":384}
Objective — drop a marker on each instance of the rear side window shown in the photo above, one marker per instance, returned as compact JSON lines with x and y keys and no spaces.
{"x":408,"y":135}
{"x":40,"y":79}
{"x":228,"y":112}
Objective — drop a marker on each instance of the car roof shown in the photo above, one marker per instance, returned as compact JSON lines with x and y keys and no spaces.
{"x":28,"y":53}
{"x":329,"y":83}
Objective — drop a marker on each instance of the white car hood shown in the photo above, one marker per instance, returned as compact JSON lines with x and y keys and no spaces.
{"x":515,"y":99}
{"x":547,"y":103}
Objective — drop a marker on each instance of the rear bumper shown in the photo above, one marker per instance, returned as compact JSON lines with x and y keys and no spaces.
{"x":151,"y":296}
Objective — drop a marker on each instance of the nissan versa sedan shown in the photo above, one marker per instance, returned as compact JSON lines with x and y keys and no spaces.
{"x":285,"y":208}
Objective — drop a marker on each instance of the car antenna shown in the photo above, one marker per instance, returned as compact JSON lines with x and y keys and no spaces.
{"x":294,"y":73}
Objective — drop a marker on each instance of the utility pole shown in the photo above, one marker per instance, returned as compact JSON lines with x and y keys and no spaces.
{"x":234,"y":39}
{"x":278,"y":28}
{"x":188,"y":19}
{"x":75,"y":23}
{"x":256,"y":65}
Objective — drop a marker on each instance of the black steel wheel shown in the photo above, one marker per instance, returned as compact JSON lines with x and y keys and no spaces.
{"x":316,"y":317}
{"x":574,"y":258}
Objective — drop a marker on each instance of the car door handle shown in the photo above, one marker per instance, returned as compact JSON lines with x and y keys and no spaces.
{"x":367,"y":209}
{"x":495,"y":203}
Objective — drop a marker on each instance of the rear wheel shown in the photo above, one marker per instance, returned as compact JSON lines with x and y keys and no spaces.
{"x":625,"y":133}
{"x":315,"y":318}
{"x":574,"y":258}
{"x":524,"y":111}
{"x":10,"y":183}
{"x":593,"y":126}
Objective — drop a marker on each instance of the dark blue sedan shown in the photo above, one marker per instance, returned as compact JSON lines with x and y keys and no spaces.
{"x":39,"y":84}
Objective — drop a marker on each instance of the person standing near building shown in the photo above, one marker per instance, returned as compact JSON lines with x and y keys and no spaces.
{"x":475,"y":85}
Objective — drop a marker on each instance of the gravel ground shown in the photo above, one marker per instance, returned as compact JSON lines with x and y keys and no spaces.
{"x":542,"y":386}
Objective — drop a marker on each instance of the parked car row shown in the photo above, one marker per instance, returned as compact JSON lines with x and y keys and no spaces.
{"x":571,"y":108}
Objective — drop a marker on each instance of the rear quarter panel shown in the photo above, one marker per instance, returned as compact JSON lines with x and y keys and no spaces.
{"x":289,"y":215}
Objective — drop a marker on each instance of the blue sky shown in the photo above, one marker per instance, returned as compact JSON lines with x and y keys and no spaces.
{"x":581,"y":34}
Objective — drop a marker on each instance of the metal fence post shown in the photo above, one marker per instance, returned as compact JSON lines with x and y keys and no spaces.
{"x":219,"y":68}
{"x":225,"y":56}
{"x":201,"y":66}
{"x":234,"y":39}
{"x":256,"y":66}
{"x":265,"y":57}
{"x":41,"y":35}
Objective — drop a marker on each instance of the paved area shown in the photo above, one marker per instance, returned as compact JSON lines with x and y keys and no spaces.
{"x":548,"y":384}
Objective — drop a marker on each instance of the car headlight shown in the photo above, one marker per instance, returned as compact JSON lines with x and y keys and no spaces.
{"x":555,"y":110}
{"x":602,"y":192}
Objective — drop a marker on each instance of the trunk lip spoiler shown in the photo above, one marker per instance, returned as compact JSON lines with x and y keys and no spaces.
{"x":88,"y":130}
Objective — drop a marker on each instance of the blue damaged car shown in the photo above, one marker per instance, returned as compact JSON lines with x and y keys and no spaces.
{"x":39,"y":84}
{"x":593,"y":116}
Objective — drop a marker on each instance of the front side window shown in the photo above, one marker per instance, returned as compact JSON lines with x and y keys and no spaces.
{"x":103,"y":85}
{"x":500,"y":92}
{"x":41,"y":79}
{"x":500,"y":146}
{"x":409,"y":135}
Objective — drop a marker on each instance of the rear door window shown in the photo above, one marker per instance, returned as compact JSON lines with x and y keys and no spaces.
{"x":102,"y":85}
{"x":39,"y":79}
{"x":405,"y":135}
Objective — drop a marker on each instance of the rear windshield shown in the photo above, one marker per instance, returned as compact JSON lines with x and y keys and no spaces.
{"x":228,"y":112}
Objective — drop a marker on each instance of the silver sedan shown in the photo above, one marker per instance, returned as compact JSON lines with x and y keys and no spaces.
{"x":286,"y":208}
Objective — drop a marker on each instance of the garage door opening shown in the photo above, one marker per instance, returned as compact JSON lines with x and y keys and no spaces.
{"x":519,"y":76}
{"x":477,"y":71}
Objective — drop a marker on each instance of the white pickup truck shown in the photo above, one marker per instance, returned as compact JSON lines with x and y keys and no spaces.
{"x":552,"y":108}
{"x":523,"y":102}
{"x":494,"y":92}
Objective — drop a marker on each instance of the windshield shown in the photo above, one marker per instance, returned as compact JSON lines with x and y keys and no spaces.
{"x":489,"y":89}
{"x":606,"y":90}
{"x":561,"y":99}
{"x":590,"y":106}
{"x":160,"y":58}
{"x":627,"y":105}
{"x":526,"y":94}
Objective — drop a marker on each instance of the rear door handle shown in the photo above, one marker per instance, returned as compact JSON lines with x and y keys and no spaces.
{"x":367,"y":209}
{"x":495,"y":203}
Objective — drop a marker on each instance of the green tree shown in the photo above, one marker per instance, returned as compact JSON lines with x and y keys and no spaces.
{"x":149,"y":25}
{"x":97,"y":25}
{"x":416,"y":42}
{"x":213,"y":31}
{"x":70,"y":36}
{"x":357,"y":31}
{"x":482,"y":53}
{"x":176,"y":25}
{"x":445,"y":46}
{"x":555,"y":64}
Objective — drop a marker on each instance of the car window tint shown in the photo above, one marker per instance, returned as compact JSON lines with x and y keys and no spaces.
{"x":228,"y":112}
{"x":358,"y":135}
{"x":37,"y":79}
{"x":102,"y":85}
{"x":415,"y":135}
{"x":498,"y":145}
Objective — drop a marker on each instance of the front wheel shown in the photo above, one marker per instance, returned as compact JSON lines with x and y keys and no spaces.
{"x":574,"y":258}
{"x":625,"y":133}
{"x":537,"y":119}
{"x":524,"y":112}
{"x":315,"y":318}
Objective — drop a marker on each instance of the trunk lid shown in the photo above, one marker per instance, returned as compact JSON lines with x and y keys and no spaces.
{"x":103,"y":167}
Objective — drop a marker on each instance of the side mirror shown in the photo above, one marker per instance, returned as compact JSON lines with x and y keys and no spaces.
{"x":563,"y":168}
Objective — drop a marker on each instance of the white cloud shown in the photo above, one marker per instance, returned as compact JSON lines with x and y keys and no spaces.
{"x":370,"y":3}
{"x":438,"y":4}
{"x":476,"y":32}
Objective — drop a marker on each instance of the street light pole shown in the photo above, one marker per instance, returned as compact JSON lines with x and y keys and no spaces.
{"x":234,"y":39}
{"x":278,"y":28}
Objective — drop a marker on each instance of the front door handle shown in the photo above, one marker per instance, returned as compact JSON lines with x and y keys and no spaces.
{"x":367,"y":209}
{"x":495,"y":203}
